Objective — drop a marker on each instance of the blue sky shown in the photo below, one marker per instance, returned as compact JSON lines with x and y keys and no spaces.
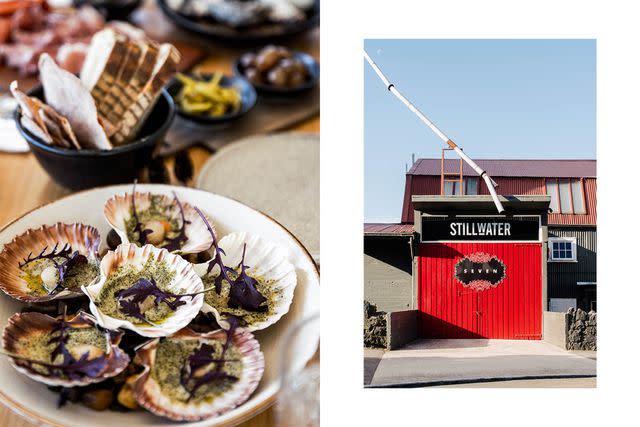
{"x":511,"y":99}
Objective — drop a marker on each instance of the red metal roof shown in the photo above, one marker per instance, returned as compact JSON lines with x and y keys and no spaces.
{"x":387,"y":229}
{"x":515,"y":168}
{"x":430,"y":185}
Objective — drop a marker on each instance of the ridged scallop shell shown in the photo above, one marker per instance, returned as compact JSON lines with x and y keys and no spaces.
{"x":22,"y":326}
{"x":149,"y":394}
{"x":185,"y":278}
{"x":118,"y":209}
{"x":263,"y":259}
{"x":83,"y":238}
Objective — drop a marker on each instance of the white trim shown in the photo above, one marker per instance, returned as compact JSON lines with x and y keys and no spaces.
{"x":483,"y":241}
{"x":586,"y":283}
{"x":574,"y":249}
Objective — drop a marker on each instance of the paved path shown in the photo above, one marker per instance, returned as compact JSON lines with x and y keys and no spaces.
{"x":433,"y":362}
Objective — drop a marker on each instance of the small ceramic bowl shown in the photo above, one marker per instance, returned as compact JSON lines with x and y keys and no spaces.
{"x":247,"y":94}
{"x":112,"y":10}
{"x":313,"y":68}
{"x":80,"y":169}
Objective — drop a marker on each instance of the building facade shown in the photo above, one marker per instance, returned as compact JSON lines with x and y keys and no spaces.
{"x":540,"y":256}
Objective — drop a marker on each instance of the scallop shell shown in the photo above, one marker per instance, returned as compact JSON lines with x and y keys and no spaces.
{"x":118,"y":209}
{"x":185,"y":278}
{"x":21,"y":326}
{"x":149,"y":394}
{"x":83,"y":238}
{"x":263,"y":259}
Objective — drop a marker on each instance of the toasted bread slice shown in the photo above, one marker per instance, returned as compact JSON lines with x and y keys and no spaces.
{"x":115,"y":102}
{"x":134,"y":117}
{"x":101,"y":74}
{"x":106,"y":53}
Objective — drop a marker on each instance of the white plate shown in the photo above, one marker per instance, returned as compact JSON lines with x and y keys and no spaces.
{"x":277,"y":174}
{"x":36,"y":403}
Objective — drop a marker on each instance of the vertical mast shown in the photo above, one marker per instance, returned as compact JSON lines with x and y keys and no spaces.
{"x":491,"y":184}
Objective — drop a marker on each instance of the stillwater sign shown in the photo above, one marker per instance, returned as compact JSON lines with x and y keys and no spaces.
{"x":480,"y":228}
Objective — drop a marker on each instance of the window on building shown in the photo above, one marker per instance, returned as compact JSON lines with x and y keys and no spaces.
{"x":472,"y":186}
{"x":567,"y":196}
{"x":561,"y":305}
{"x":552,"y":190}
{"x":578,"y":197}
{"x":452,"y":188}
{"x":562,"y":249}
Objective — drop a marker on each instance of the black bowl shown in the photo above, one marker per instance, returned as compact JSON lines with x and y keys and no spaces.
{"x":110,"y":9}
{"x":312,"y":66}
{"x":247,"y":94}
{"x":79,"y":169}
{"x":251,"y":35}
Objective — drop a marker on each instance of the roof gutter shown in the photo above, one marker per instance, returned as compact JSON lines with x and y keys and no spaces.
{"x":491,"y":184}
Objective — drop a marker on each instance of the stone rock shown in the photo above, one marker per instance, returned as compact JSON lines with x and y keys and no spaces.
{"x":375,"y":331}
{"x":369,"y":309}
{"x":581,"y":330}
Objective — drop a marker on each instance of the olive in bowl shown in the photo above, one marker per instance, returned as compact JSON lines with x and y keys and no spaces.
{"x":80,"y":169}
{"x":212,"y":98}
{"x":276,"y":70}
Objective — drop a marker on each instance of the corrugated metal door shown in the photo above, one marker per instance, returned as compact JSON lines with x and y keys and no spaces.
{"x":511,"y":310}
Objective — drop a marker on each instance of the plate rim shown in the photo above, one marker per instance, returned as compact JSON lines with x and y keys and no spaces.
{"x":31,"y":416}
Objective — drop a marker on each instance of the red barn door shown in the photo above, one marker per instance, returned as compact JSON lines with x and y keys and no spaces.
{"x":510,"y":309}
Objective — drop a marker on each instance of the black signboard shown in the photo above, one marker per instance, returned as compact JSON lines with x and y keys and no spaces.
{"x":480,"y":271}
{"x":487,"y":228}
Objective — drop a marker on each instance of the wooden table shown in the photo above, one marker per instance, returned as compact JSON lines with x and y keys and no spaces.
{"x":24,"y":185}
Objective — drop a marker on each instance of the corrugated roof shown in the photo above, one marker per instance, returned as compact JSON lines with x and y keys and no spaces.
{"x":387,"y":229}
{"x":516,"y":168}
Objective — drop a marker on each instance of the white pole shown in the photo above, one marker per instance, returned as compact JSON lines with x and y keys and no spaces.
{"x":491,"y":184}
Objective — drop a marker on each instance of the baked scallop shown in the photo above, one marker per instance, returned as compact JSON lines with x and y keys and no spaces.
{"x":257,"y":285}
{"x":51,"y":262}
{"x":191,"y":377}
{"x":157,"y":219}
{"x":63,"y":352}
{"x":146,"y":290}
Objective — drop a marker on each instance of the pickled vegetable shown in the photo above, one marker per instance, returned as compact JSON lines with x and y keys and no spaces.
{"x":208,"y":97}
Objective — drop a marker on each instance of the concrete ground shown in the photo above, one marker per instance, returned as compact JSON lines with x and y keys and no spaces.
{"x":372,"y":358}
{"x":537,"y":383}
{"x":438,"y":362}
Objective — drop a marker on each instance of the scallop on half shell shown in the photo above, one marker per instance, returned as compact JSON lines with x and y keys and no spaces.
{"x":151,"y":280}
{"x":264,"y":262}
{"x":174,"y":366}
{"x":32,"y":264}
{"x":172,"y":223}
{"x":35,"y":336}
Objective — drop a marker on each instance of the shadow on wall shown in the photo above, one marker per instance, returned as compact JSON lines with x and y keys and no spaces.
{"x":433,"y":327}
{"x":445,"y":252}
{"x":393,"y":251}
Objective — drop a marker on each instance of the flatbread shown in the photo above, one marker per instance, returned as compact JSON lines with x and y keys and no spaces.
{"x":66,"y":94}
{"x":36,"y":130}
